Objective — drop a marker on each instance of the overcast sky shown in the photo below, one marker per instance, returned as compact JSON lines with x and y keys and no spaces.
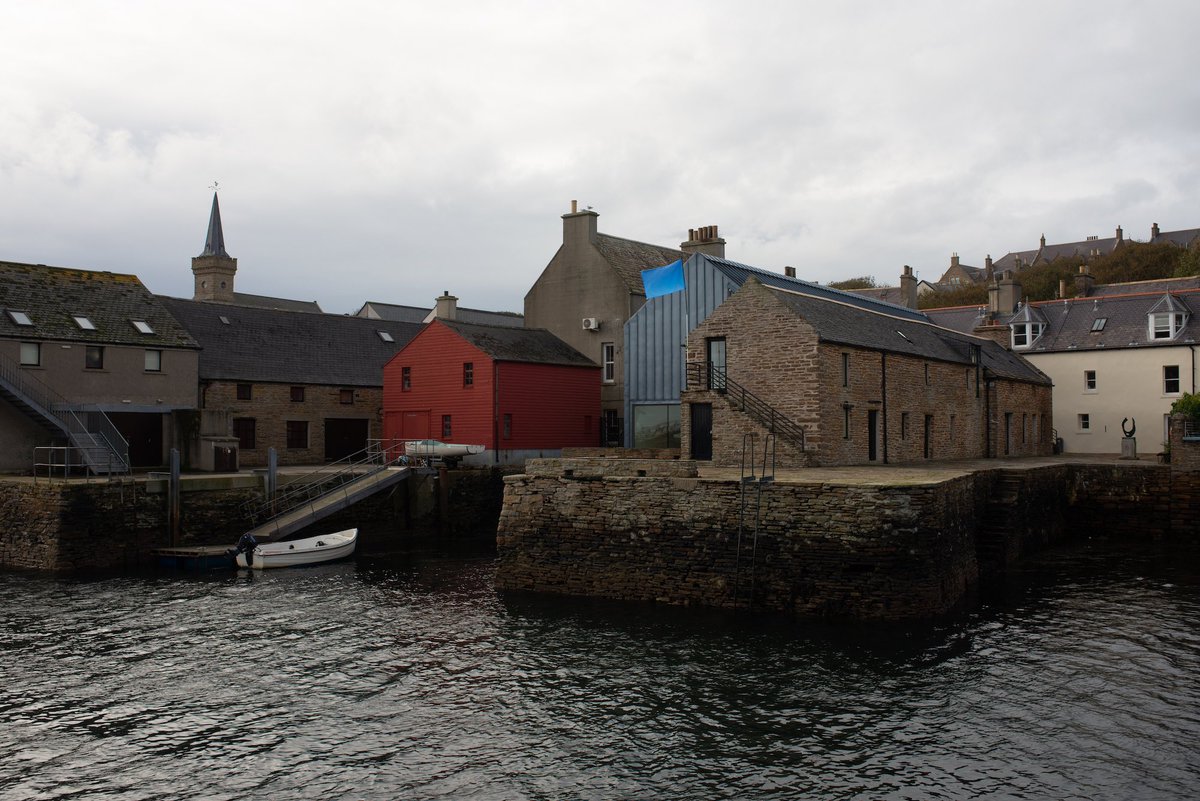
{"x":388,"y":151}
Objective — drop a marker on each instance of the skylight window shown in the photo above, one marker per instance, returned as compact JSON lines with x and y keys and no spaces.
{"x":1098,"y":323}
{"x":385,"y":336}
{"x":142,"y":326}
{"x":84,"y":323}
{"x":19,"y":317}
{"x":224,"y":319}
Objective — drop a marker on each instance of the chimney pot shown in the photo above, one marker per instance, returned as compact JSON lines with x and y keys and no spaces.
{"x":789,"y":271}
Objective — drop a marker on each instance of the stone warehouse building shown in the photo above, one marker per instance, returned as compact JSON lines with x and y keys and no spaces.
{"x":309,"y":385}
{"x":843,"y":385}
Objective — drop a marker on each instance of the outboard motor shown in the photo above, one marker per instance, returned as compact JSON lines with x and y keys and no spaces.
{"x":245,"y":545}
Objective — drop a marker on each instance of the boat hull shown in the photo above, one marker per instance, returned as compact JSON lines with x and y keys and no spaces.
{"x":297,"y":553}
{"x":437,"y":449}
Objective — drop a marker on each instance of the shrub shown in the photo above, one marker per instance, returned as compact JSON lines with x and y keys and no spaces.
{"x":1188,"y":405}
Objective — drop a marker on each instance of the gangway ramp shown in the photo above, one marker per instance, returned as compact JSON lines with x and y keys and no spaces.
{"x":330,"y":502}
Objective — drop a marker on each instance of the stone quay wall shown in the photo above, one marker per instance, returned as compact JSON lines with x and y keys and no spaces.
{"x":858,"y":551}
{"x":69,"y":527}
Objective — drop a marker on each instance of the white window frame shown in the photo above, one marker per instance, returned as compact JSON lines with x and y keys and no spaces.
{"x":84,"y":323}
{"x":1089,"y":381}
{"x":1083,"y":423}
{"x":1028,"y":333}
{"x":1177,"y":379}
{"x":1165,"y":325}
{"x":142,"y":326}
{"x":608,"y":362}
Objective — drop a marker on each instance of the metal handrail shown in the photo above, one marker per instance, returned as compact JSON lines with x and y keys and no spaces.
{"x":702,"y":375}
{"x":53,"y":462}
{"x":52,"y":403}
{"x":328,"y":479}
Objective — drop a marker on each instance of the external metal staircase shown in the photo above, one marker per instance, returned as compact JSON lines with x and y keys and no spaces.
{"x":93,"y":441}
{"x":328,"y":489}
{"x":701,"y":375}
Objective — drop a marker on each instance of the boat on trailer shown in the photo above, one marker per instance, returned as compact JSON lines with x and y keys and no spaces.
{"x":436,"y":449}
{"x":296,"y":553}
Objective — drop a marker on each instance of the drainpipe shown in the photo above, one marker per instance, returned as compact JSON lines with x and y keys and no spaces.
{"x":987,"y":416}
{"x":883,"y":392}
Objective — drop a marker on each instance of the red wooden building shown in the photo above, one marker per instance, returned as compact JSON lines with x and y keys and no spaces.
{"x":521,"y":392}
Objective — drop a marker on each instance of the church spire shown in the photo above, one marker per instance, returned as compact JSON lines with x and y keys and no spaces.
{"x":214,"y":243}
{"x":214,"y":269}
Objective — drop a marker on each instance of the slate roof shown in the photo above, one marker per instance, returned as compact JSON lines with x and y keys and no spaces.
{"x":963,"y":319}
{"x":740,"y":273}
{"x":418,"y":314}
{"x":628,"y":258}
{"x":1070,"y":323}
{"x":266,"y":302}
{"x":1009,"y":261}
{"x":51,"y":296}
{"x":1161,"y":285}
{"x":1088,"y":247}
{"x":289,"y":347}
{"x":508,"y":344}
{"x":850,"y":325}
{"x":1182,"y":238}
{"x":888,"y":294}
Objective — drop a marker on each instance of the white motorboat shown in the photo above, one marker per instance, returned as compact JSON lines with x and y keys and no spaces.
{"x":436,"y":449}
{"x":293,"y":553}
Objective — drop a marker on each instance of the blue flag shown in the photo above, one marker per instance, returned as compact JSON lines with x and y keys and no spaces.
{"x":663,"y":280}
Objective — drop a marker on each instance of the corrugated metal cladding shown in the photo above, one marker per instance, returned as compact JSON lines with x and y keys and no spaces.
{"x":656,"y":333}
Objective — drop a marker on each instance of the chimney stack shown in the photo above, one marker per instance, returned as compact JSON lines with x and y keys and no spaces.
{"x":704,"y":239}
{"x":447,"y":307}
{"x":908,"y":288}
{"x":1003,"y":297}
{"x":1083,"y":282}
{"x":1153,"y":232}
{"x":1120,"y":235}
{"x":579,"y":227}
{"x":953,"y":259}
{"x":789,"y":271}
{"x":987,"y":266}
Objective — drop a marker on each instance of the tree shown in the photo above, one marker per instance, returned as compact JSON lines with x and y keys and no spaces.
{"x":862,"y":282}
{"x":968,"y":295}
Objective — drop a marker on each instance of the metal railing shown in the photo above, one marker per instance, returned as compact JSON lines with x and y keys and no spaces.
{"x":325,"y":480}
{"x":60,"y":462}
{"x":701,"y":375}
{"x":90,"y":437}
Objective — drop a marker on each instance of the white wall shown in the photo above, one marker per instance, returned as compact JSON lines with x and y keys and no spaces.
{"x":1129,"y":384}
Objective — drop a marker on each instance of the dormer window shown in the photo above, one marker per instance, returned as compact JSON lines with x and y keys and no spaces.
{"x":1165,"y":325}
{"x":1025,"y":334}
{"x":1166,"y":318}
{"x":84,"y":323}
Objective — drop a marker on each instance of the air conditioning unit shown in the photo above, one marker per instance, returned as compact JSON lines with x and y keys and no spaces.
{"x":591,"y":324}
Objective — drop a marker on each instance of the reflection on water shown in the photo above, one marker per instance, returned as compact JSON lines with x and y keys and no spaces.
{"x":409,"y":677}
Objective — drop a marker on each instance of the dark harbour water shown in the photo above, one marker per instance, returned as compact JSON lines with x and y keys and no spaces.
{"x":408,"y":677}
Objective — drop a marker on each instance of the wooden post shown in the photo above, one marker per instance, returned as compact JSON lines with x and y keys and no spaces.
{"x":173,"y":497}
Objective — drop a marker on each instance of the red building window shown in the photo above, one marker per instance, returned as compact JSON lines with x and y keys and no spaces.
{"x":468,"y":374}
{"x":446,"y":426}
{"x":405,"y":378}
{"x":508,"y":426}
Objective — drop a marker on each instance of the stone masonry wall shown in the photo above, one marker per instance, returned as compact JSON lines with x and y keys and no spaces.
{"x":271,"y":406}
{"x":860,"y":552}
{"x":854,"y":551}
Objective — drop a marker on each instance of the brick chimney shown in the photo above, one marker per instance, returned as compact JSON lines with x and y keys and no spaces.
{"x":1084,"y":282}
{"x":704,"y":240}
{"x":908,"y":288}
{"x":953,"y":260}
{"x":1153,"y":232}
{"x":447,"y":307}
{"x":579,"y":227}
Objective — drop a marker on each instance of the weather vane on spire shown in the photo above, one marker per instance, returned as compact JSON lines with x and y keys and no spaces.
{"x":215,"y":186}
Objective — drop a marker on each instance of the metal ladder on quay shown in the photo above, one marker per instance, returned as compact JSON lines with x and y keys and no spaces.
{"x":751,"y":485}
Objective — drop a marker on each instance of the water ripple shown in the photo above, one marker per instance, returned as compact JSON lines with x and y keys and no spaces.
{"x":412,"y":678}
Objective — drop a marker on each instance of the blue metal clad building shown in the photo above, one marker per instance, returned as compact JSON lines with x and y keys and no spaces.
{"x":656,"y":334}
